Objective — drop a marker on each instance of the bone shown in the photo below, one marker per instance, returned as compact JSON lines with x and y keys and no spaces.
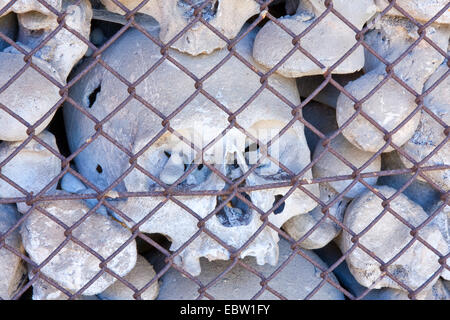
{"x":30,"y":104}
{"x":329,"y":165}
{"x":24,"y":6}
{"x":32,"y":168}
{"x":200,"y":122}
{"x":387,"y":237}
{"x":72,"y":267}
{"x":139,"y":277}
{"x":442,"y":220}
{"x":430,"y":134}
{"x":299,"y":226}
{"x":174,"y":15}
{"x":11,"y":265}
{"x":64,"y":49}
{"x":391,"y":104}
{"x":421,"y":10}
{"x":273,"y":43}
{"x":331,"y":253}
{"x":44,"y":290}
{"x":240,"y":284}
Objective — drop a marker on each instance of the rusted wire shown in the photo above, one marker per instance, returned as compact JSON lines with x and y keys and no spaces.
{"x":236,"y":189}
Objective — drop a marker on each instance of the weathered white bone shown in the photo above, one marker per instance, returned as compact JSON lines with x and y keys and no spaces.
{"x":431,"y":134}
{"x":72,"y":267}
{"x":139,"y":277}
{"x":24,"y":6}
{"x":387,"y":237}
{"x":43,"y":290}
{"x":13,"y":271}
{"x":240,"y":284}
{"x":331,"y":253}
{"x":391,"y":104}
{"x":226,"y":16}
{"x":64,"y":49}
{"x":32,"y":168}
{"x":442,"y":220}
{"x":330,"y":166}
{"x":273,"y":43}
{"x":24,"y":96}
{"x":102,"y":163}
{"x":298,"y":226}
{"x":421,"y":10}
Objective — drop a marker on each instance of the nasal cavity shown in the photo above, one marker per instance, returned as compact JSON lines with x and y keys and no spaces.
{"x":235,"y":213}
{"x":280,"y":208}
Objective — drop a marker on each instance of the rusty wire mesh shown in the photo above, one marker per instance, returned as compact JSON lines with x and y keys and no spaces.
{"x":236,"y":190}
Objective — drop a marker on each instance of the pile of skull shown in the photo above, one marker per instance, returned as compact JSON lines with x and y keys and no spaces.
{"x":117,"y":108}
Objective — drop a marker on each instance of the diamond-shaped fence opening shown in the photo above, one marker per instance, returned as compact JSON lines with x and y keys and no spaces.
{"x":207,"y":149}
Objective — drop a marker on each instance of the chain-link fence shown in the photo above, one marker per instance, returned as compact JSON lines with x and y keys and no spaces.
{"x":123,"y":124}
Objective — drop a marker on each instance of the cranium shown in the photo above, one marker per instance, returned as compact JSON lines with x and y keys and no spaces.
{"x":328,"y":41}
{"x":32,"y":168}
{"x":392,"y":103}
{"x":330,"y":166}
{"x":298,"y":226}
{"x":24,"y":6}
{"x":422,"y":10}
{"x":226,"y":16}
{"x":12,"y":266}
{"x":72,"y":267}
{"x":29,"y":104}
{"x":430,"y":134}
{"x":36,"y":23}
{"x":387,"y":237}
{"x":168,"y":158}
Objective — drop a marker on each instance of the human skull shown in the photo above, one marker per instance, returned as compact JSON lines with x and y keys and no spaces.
{"x":168,"y":158}
{"x":226,"y":16}
{"x":336,"y":38}
{"x":422,"y":10}
{"x":392,"y":103}
{"x":36,"y":23}
{"x":29,"y":104}
{"x":430,"y":134}
{"x":24,"y":6}
{"x":32,"y":168}
{"x":298,"y":226}
{"x":387,"y":237}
